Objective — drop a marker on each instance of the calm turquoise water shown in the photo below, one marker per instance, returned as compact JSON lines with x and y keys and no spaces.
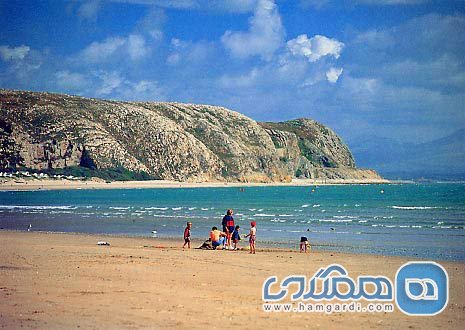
{"x":425,"y":220}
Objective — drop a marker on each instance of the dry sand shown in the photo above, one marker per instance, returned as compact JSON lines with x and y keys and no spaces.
{"x":49,"y":184}
{"x":67,"y":281}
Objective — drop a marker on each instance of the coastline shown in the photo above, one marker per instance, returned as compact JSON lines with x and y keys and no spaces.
{"x":48,"y":184}
{"x":127,"y":285}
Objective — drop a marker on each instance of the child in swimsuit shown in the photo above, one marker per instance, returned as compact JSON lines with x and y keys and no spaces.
{"x":252,"y":236}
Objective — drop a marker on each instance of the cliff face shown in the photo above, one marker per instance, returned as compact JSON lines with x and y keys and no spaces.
{"x":172,"y":141}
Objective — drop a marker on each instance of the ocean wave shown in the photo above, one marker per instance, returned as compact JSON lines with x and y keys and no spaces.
{"x":263,"y":215}
{"x":285,"y":215}
{"x":176,"y":208}
{"x":119,"y":208}
{"x":414,"y":207}
{"x":156,"y":208}
{"x":316,"y":205}
{"x":166,"y":216}
{"x":333,"y":220}
{"x":277,"y":220}
{"x":38,"y":207}
{"x":345,"y":217}
{"x":192,"y":208}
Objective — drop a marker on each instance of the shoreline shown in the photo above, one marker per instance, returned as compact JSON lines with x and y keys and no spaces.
{"x":264,"y":246}
{"x":48,"y":184}
{"x":153,"y":283}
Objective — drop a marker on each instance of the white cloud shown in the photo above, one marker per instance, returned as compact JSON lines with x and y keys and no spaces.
{"x":247,"y":80}
{"x":113,"y":84}
{"x":110,"y":81}
{"x":71,"y":80}
{"x":264,"y":37}
{"x":89,"y":9}
{"x":133,"y":46}
{"x":101,"y":51}
{"x":189,"y":52}
{"x":136,"y":47}
{"x":332,"y":75}
{"x":315,"y":48}
{"x":13,"y":53}
{"x":231,"y":6}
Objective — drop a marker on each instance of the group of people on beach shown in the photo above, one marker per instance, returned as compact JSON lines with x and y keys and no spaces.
{"x":228,"y":238}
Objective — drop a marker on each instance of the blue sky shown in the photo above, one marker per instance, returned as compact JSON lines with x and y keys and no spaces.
{"x":367,"y":68}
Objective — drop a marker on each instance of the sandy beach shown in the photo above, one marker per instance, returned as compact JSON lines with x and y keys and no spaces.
{"x":67,"y":281}
{"x":46,"y":184}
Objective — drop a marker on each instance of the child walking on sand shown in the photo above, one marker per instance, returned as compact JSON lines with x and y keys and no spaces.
{"x":236,"y":237}
{"x":252,"y":236}
{"x":187,"y":235}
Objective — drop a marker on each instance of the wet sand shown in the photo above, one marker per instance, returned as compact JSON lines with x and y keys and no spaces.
{"x":50,"y":280}
{"x":48,"y":184}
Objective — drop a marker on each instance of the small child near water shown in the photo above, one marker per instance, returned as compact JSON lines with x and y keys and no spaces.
{"x":252,"y":236}
{"x":187,"y":235}
{"x":236,"y":237}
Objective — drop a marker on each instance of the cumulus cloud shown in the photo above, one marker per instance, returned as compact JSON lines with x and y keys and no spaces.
{"x":333,"y":74}
{"x":13,"y":53}
{"x":315,"y":48}
{"x":264,"y":37}
{"x":133,"y":46}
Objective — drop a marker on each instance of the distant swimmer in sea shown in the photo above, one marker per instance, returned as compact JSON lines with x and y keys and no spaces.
{"x":29,"y":227}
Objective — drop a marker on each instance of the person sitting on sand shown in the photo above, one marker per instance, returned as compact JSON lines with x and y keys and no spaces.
{"x":252,"y":236}
{"x":217,"y":237}
{"x":228,"y":226}
{"x":236,"y":237}
{"x":187,"y":235}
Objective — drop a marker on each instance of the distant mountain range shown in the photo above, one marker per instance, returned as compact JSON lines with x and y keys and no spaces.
{"x":442,"y":159}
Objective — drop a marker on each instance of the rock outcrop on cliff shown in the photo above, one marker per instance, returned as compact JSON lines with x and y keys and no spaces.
{"x":172,"y":141}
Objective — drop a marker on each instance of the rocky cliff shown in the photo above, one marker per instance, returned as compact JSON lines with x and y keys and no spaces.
{"x":172,"y":141}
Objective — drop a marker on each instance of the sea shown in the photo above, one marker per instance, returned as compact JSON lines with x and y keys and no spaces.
{"x":414,"y":220}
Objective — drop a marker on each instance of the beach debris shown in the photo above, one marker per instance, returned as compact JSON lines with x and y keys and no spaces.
{"x":103,"y":243}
